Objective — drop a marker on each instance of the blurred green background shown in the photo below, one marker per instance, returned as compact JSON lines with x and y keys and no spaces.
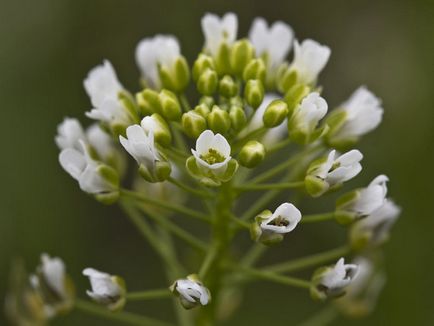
{"x":47,"y":48}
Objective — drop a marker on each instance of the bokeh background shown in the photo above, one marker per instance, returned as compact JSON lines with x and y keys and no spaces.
{"x":47,"y":48}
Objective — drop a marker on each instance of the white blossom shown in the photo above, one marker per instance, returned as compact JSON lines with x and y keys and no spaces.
{"x":105,"y":287}
{"x":140,"y":145}
{"x":284,"y":219}
{"x":100,"y":141}
{"x":53,"y":272}
{"x":370,"y":198}
{"x":69,"y":133}
{"x":363,"y":114}
{"x":218,"y":31}
{"x":339,"y":169}
{"x":335,"y":279}
{"x":310,"y":111}
{"x":84,"y":169}
{"x":310,"y":58}
{"x":191,"y":292}
{"x":212,"y":152}
{"x":151,"y":52}
{"x":271,"y":42}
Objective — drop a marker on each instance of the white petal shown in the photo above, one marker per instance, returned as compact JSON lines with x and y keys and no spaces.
{"x":53,"y":270}
{"x":221,"y":145}
{"x":204,"y":142}
{"x":73,"y":162}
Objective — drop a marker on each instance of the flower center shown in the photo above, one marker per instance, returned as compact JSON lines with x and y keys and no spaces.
{"x":212,"y":157}
{"x":334,"y":166}
{"x":279,"y":221}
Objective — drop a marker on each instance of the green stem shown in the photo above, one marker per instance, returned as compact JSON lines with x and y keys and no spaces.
{"x":257,"y":250}
{"x":239,"y":222}
{"x":309,"y":261}
{"x":270,"y":186}
{"x":252,"y":134}
{"x":274,"y":277}
{"x":317,"y":217}
{"x":149,"y":295}
{"x":259,"y":205}
{"x":203,"y":194}
{"x":179,"y":232}
{"x":176,"y":208}
{"x":123,"y":317}
{"x":279,"y":146}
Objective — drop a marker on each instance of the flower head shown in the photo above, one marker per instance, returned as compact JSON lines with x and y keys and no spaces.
{"x":191,"y":292}
{"x":154,"y":52}
{"x":107,"y":289}
{"x":269,"y":228}
{"x":310,"y":58}
{"x":212,"y":153}
{"x":83,"y":168}
{"x":330,"y":282}
{"x":140,"y":145}
{"x":273,"y":42}
{"x":219,"y":31}
{"x":69,"y":133}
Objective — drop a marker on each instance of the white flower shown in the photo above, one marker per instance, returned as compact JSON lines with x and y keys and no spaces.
{"x":340,"y":169}
{"x":307,"y":115}
{"x":376,"y":227}
{"x":370,"y":198}
{"x":151,"y":52}
{"x":273,"y":43}
{"x":84,"y":169}
{"x":363,"y":114}
{"x":218,"y":31}
{"x":53,"y":273}
{"x":333,"y":281}
{"x":191,"y":292}
{"x":100,"y":141}
{"x":69,"y":133}
{"x":106,"y":288}
{"x":310,"y":58}
{"x":110,"y":111}
{"x":140,"y":145}
{"x":284,"y":219}
{"x":212,"y":152}
{"x":102,"y":84}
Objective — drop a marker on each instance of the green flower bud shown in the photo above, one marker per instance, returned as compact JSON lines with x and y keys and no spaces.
{"x":160,"y":128}
{"x":254,"y":93}
{"x":241,"y":54}
{"x":110,"y":176}
{"x":227,"y":87}
{"x":207,"y":100}
{"x":219,"y":120}
{"x":238,"y":117}
{"x":193,"y":124}
{"x":160,"y":172}
{"x":294,"y":96}
{"x":178,"y":77}
{"x":286,"y":78}
{"x":148,"y":101}
{"x":255,"y":69}
{"x":202,"y":63}
{"x":208,"y":82}
{"x":170,"y":107}
{"x":202,"y":109}
{"x":315,"y":186}
{"x":252,"y":154}
{"x":222,"y":60}
{"x":275,"y":113}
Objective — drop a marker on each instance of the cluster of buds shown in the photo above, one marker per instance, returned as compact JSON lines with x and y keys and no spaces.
{"x":252,"y":102}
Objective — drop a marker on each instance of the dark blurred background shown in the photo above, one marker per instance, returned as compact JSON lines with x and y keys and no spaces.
{"x":47,"y":48}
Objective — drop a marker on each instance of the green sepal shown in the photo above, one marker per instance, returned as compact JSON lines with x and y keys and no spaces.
{"x":287,"y":80}
{"x":160,"y":172}
{"x":315,"y":186}
{"x":207,"y":100}
{"x":170,"y":106}
{"x":182,"y":74}
{"x":251,"y":154}
{"x":129,"y":105}
{"x":255,"y":69}
{"x":222,"y":59}
{"x":230,"y":171}
{"x":162,"y":134}
{"x":218,"y":120}
{"x":336,"y":120}
{"x":266,"y":238}
{"x":149,"y":102}
{"x":345,"y":217}
{"x":227,"y":87}
{"x":109,"y":174}
{"x":238,"y":117}
{"x":207,"y":82}
{"x":275,"y":113}
{"x":193,"y":124}
{"x":295,"y":95}
{"x":254,"y":93}
{"x":242,"y":53}
{"x":317,"y":293}
{"x":202,"y":63}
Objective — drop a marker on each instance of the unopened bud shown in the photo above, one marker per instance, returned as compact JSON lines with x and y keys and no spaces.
{"x":241,"y":54}
{"x":170,"y":107}
{"x":238,"y":117}
{"x":193,"y":124}
{"x":177,"y":78}
{"x":254,"y":93}
{"x":202,"y":109}
{"x":202,"y":63}
{"x":219,"y":120}
{"x":275,"y":113}
{"x":228,"y":88}
{"x":148,"y":102}
{"x":252,"y":154}
{"x":207,"y":82}
{"x":159,"y":127}
{"x":255,"y":69}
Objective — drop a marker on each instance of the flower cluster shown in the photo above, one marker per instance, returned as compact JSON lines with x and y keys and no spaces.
{"x":259,"y":122}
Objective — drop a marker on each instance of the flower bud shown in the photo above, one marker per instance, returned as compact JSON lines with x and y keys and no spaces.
{"x":295,"y":95}
{"x":252,"y":154}
{"x":207,"y":82}
{"x":202,"y":63}
{"x":107,"y":290}
{"x":191,"y":292}
{"x":286,"y":78}
{"x":176,"y":79}
{"x":275,"y":113}
{"x":148,"y":101}
{"x":160,"y":128}
{"x":170,"y":107}
{"x":254,"y":93}
{"x":207,"y":100}
{"x":255,"y":69}
{"x":222,"y":60}
{"x":227,"y":87}
{"x":238,"y":117}
{"x":331,"y":281}
{"x":193,"y":123}
{"x":241,"y":54}
{"x":218,"y":120}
